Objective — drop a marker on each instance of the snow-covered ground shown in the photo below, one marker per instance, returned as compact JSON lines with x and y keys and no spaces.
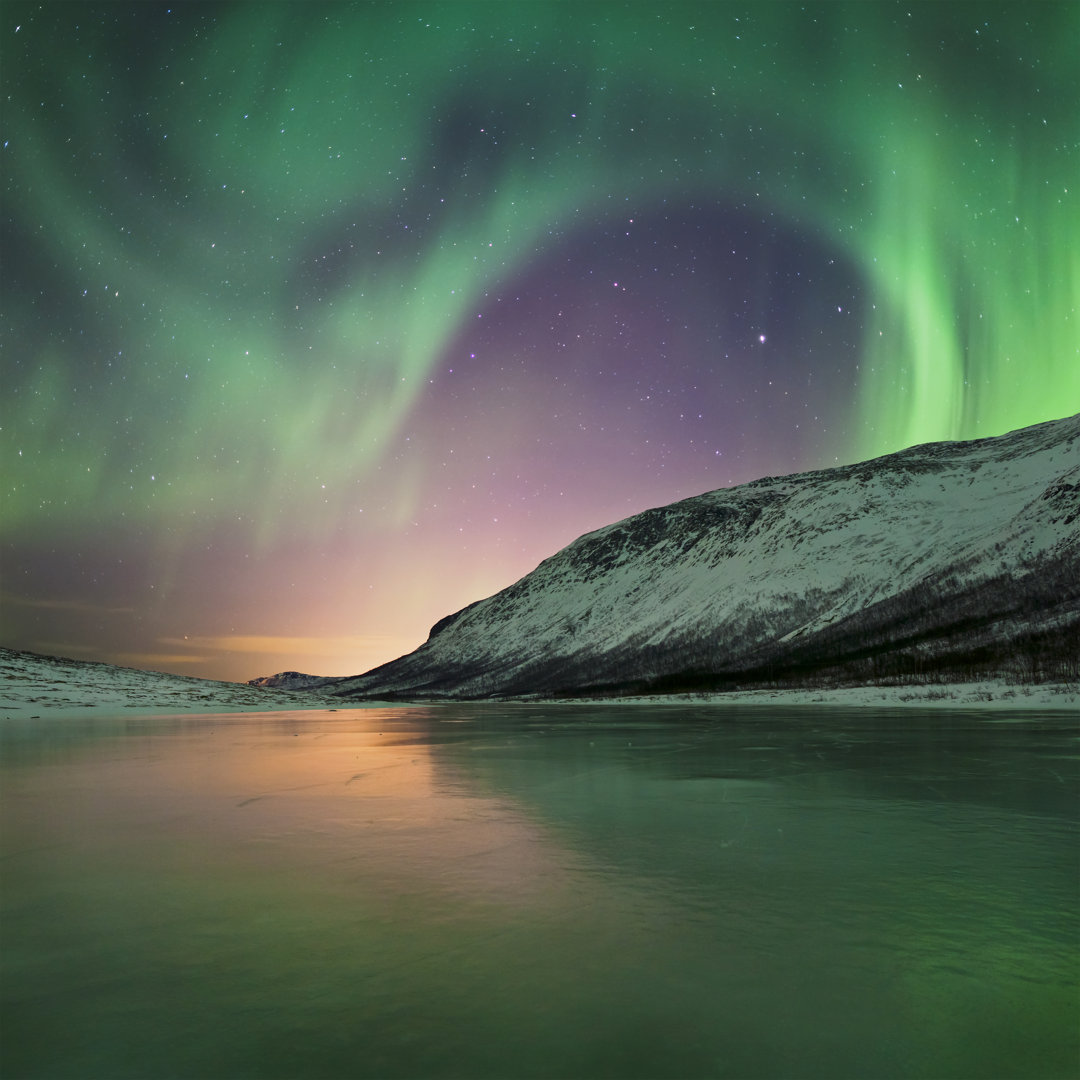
{"x":981,"y":695}
{"x":32,"y":685}
{"x":49,"y":687}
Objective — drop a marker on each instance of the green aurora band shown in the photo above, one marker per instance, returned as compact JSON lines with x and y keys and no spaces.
{"x":938,"y":151}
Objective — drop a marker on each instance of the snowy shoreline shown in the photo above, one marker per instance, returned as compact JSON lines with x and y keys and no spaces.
{"x":37,"y":687}
{"x":998,"y":695}
{"x":33,"y":686}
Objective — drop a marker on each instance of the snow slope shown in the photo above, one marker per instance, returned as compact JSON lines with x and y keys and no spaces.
{"x":948,"y":560}
{"x":33,"y":686}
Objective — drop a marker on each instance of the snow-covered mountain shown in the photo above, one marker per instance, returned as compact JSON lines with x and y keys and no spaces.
{"x":954,"y":559}
{"x":291,"y":680}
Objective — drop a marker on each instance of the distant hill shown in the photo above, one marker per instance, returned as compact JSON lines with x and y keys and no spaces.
{"x":292,"y":680}
{"x":953,"y":560}
{"x":33,"y":685}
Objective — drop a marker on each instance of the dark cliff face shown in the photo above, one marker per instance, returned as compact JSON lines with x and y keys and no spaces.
{"x":952,"y":560}
{"x":449,"y":620}
{"x":669,"y":533}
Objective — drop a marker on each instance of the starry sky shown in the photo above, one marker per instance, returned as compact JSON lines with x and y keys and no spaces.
{"x":323,"y":320}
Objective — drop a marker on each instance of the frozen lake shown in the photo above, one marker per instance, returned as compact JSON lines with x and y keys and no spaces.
{"x":512,"y":891}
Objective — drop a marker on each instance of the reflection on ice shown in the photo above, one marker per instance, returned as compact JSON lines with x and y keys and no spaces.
{"x":505,"y":891}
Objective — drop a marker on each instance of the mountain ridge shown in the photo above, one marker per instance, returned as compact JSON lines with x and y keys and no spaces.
{"x":944,"y":559}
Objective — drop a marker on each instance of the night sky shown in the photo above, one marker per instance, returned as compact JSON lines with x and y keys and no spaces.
{"x":321,"y":321}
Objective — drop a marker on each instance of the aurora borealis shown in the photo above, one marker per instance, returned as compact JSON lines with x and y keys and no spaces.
{"x":321,"y":321}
